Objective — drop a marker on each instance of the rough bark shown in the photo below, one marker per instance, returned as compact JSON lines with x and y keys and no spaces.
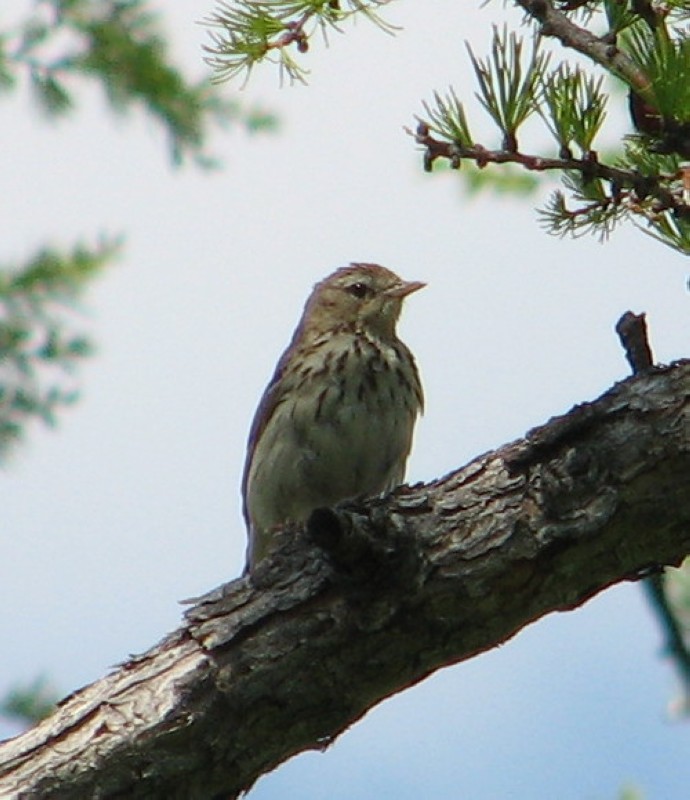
{"x":372,"y":600}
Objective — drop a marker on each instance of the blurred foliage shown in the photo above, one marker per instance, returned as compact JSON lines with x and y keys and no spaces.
{"x":119,"y":45}
{"x":38,"y":348}
{"x":669,"y":595}
{"x":630,"y":793}
{"x":504,"y":181}
{"x":57,"y":46}
{"x":30,"y":703}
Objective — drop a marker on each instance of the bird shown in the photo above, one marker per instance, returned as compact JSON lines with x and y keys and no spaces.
{"x":336,"y":420}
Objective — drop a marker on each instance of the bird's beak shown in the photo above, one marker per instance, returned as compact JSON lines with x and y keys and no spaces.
{"x":405,"y":288}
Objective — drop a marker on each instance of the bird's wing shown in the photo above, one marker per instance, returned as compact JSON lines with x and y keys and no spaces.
{"x":274,"y":394}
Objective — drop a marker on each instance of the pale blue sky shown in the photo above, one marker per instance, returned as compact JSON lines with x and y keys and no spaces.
{"x":133,"y":503}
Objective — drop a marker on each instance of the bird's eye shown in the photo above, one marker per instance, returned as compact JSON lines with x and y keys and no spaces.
{"x":358,"y":289}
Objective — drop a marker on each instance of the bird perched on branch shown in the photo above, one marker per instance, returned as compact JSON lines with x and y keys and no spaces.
{"x":336,"y":420}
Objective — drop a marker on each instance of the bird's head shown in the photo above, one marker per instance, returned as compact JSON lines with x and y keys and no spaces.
{"x":365,"y":296}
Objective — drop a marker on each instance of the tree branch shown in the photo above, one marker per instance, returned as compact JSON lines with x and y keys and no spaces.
{"x":632,"y":331}
{"x":666,"y":190}
{"x":601,"y":50}
{"x":266,"y":667}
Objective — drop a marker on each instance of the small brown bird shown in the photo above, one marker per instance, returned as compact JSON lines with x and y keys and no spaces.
{"x":336,"y":420}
